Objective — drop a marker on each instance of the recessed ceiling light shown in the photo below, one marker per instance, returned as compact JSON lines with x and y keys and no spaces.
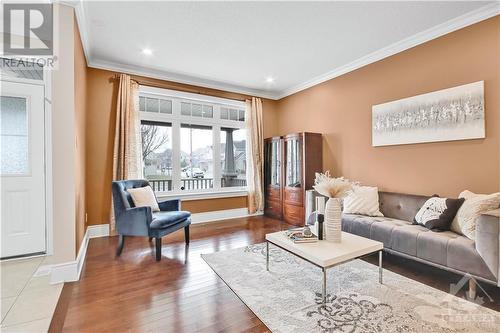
{"x":269,"y":79}
{"x":147,"y":51}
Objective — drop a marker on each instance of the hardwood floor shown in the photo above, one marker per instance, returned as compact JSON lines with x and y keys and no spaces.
{"x":134,"y":293}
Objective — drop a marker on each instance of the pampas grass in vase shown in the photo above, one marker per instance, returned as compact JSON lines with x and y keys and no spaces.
{"x":335,"y":189}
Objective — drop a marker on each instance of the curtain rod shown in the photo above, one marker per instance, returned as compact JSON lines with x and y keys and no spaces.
{"x":180,"y":87}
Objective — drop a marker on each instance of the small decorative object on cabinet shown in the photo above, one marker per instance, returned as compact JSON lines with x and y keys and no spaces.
{"x":293,"y":165}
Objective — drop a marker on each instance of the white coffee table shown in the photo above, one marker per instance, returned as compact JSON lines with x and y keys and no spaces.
{"x":325,"y":254}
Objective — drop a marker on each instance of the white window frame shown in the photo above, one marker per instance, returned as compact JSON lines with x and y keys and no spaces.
{"x":176,"y":119}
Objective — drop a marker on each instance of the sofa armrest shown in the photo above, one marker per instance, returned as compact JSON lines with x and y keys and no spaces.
{"x":134,"y":221}
{"x":488,"y":242}
{"x":170,"y":205}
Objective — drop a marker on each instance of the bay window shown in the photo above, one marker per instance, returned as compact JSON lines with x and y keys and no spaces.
{"x":192,"y":143}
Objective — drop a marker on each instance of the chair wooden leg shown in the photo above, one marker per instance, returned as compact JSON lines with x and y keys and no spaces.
{"x":158,"y":248}
{"x":186,"y":234}
{"x":150,"y":239}
{"x":121,"y":242}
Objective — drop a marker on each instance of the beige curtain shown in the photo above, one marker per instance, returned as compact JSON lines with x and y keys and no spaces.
{"x":255,"y":138}
{"x":127,"y":144}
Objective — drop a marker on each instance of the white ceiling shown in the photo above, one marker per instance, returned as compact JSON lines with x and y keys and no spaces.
{"x":237,"y":45}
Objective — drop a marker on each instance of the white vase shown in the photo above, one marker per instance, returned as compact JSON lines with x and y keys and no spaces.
{"x":333,"y":220}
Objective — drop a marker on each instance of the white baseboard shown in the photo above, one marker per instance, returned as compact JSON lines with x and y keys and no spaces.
{"x":218,"y":215}
{"x":99,"y":230}
{"x":71,"y":270}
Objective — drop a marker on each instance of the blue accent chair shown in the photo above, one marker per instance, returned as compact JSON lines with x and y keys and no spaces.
{"x":140,"y":221}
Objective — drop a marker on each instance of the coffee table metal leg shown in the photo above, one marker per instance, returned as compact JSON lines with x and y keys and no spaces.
{"x":380,"y":266}
{"x":267,"y":256}
{"x":324,"y":285}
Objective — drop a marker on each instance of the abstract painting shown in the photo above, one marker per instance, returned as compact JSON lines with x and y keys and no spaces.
{"x":450,"y":114}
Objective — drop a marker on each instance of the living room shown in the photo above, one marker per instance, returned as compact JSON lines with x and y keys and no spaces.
{"x":251,"y":166}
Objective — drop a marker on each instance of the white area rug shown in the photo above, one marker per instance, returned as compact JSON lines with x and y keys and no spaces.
{"x":287,"y":299}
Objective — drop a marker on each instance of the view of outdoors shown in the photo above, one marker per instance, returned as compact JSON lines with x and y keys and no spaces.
{"x":234,"y":167}
{"x":157,"y":154}
{"x":196,"y":157}
{"x":194,"y":147}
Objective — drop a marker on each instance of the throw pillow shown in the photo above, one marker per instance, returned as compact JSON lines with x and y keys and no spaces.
{"x":438,"y":213}
{"x":464,"y":222}
{"x":144,"y":197}
{"x":362,"y":200}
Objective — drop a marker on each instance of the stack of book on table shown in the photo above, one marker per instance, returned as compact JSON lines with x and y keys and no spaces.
{"x":297,"y":236}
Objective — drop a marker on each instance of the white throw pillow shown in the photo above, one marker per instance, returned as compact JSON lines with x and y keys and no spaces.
{"x":362,"y":200}
{"x":464,"y":222}
{"x":144,"y":197}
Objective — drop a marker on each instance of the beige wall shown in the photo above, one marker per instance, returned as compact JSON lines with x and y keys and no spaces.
{"x":341,"y":110}
{"x":63,"y":139}
{"x":101,"y":109}
{"x":80,"y":122}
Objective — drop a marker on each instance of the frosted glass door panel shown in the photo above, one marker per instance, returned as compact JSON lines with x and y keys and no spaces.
{"x":14,"y":136}
{"x":22,"y":157}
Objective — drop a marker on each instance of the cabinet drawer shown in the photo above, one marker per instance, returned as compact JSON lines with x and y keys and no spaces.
{"x":273,"y":209}
{"x":294,"y":214}
{"x":293,"y":195}
{"x":273,"y":193}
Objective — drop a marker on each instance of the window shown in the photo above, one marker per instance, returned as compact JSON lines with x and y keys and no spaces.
{"x":233,"y":157}
{"x":192,"y":143}
{"x":157,"y":154}
{"x":14,"y":136}
{"x":197,"y":167}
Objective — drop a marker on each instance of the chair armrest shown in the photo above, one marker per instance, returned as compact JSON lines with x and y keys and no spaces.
{"x":134,"y":221}
{"x":488,"y":242}
{"x":170,"y":205}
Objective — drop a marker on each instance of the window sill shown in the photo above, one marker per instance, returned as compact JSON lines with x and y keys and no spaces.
{"x":202,"y":195}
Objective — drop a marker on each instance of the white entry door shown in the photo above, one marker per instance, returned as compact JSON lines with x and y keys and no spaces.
{"x":22,"y":169}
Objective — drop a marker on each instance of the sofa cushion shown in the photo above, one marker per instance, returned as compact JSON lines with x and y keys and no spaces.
{"x":400,"y":206}
{"x":166,"y":219}
{"x":357,"y":224}
{"x":377,"y":228}
{"x":404,"y":238}
{"x":433,"y":246}
{"x":382,"y":230}
{"x":462,"y":255}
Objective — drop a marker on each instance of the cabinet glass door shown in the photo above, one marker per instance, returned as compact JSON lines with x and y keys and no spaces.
{"x":273,"y":163}
{"x":293,"y":162}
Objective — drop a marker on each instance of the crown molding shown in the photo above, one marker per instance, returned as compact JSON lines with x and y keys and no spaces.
{"x":178,"y":78}
{"x":454,"y":24}
{"x":447,"y":27}
{"x":82,"y":23}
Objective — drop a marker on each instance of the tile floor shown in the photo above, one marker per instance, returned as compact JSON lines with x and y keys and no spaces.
{"x":27,"y":302}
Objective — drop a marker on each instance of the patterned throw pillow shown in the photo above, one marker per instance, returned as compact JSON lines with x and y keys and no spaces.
{"x":362,"y":200}
{"x":438,"y":213}
{"x":464,"y":222}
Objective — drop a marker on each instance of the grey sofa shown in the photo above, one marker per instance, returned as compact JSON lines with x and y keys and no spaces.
{"x":446,"y":250}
